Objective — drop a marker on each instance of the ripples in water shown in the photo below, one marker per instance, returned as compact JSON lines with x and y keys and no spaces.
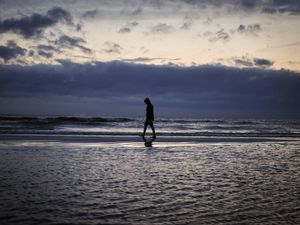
{"x":230,"y":183}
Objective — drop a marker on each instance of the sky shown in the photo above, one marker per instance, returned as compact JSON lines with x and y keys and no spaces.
{"x":192,"y":58}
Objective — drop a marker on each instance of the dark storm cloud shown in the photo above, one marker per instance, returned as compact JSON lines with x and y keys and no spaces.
{"x":11,"y":51}
{"x":66,"y":41}
{"x":34,"y":25}
{"x":210,"y":89}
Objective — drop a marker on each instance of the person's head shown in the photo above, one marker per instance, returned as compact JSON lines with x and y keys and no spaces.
{"x":147,"y":101}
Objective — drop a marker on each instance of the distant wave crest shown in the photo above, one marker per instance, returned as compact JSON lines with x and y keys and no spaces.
{"x":63,"y":120}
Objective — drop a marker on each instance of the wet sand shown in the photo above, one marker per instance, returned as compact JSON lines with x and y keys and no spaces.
{"x":117,"y":180}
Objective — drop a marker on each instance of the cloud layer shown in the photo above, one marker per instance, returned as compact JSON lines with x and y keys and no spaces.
{"x":35,"y":24}
{"x":66,"y":41}
{"x":203,"y":90}
{"x":265,"y":6}
{"x":11,"y":51}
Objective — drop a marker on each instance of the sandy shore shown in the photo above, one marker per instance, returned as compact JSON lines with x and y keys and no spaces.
{"x":109,"y":138}
{"x":83,"y":180}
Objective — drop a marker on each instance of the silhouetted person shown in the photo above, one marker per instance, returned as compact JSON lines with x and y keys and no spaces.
{"x":149,"y":117}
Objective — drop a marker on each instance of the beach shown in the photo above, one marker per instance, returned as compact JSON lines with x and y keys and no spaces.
{"x":150,"y":112}
{"x":114,"y":179}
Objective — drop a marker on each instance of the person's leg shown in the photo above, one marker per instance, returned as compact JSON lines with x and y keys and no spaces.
{"x":153,"y":130}
{"x":145,"y":128}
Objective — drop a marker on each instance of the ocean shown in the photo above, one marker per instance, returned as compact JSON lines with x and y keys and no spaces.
{"x":78,"y":170}
{"x":164,"y":127}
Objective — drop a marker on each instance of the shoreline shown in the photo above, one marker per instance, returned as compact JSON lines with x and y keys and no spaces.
{"x":116,"y":138}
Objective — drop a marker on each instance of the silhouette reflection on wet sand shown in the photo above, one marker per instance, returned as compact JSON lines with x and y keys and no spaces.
{"x":148,"y":142}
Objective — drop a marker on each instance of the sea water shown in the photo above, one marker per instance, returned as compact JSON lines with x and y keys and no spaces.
{"x":62,"y":181}
{"x":164,"y":127}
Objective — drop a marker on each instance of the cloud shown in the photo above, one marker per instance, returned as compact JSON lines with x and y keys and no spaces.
{"x":137,"y":11}
{"x":251,"y":29}
{"x":211,"y":90}
{"x":59,"y":14}
{"x":48,"y":48}
{"x":45,"y":54}
{"x":269,"y":10}
{"x":90,"y":14}
{"x":207,"y":21}
{"x":111,"y":47}
{"x":291,"y":7}
{"x":31,"y":53}
{"x":78,"y":27}
{"x":263,"y":62}
{"x":258,"y":62}
{"x":207,"y":33}
{"x":124,"y":30}
{"x":128,"y":27}
{"x":162,"y":28}
{"x":11,"y":51}
{"x":133,"y":24}
{"x":186,"y":25}
{"x":244,"y":61}
{"x":147,"y":59}
{"x":219,"y":35}
{"x":34,"y":25}
{"x":113,"y":10}
{"x":71,"y":42}
{"x":245,"y":5}
{"x":141,"y":59}
{"x":143,"y":8}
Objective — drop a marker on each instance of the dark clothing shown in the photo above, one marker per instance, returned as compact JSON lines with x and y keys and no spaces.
{"x":149,"y":113}
{"x":149,"y":117}
{"x":148,"y":122}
